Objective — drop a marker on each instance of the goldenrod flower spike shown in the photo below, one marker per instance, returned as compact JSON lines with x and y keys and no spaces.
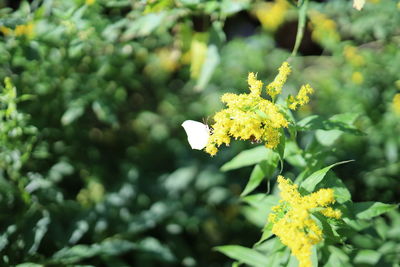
{"x":255,"y":85}
{"x":275,"y":87}
{"x":247,"y":117}
{"x":292,"y":221}
{"x":302,"y":97}
{"x":252,"y":117}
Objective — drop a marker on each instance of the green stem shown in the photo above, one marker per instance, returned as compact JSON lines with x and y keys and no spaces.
{"x":300,"y":26}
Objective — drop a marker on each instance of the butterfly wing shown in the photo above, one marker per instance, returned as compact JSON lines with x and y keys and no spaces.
{"x":197,"y":133}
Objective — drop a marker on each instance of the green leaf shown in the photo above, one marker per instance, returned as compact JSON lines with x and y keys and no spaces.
{"x":144,"y":25}
{"x":368,"y":210}
{"x":327,"y":138}
{"x":311,"y":181}
{"x":337,"y":257}
{"x":80,"y":252}
{"x":210,"y":63}
{"x":229,"y":7}
{"x":280,"y":149}
{"x":243,"y":254}
{"x":72,"y":113}
{"x":248,"y":157}
{"x":314,"y":256}
{"x":260,"y":206}
{"x":29,"y":264}
{"x":294,"y":155}
{"x":293,"y":262}
{"x":266,"y":233}
{"x":263,"y":169}
{"x":343,"y":122}
{"x":367,"y":256}
{"x":40,"y":230}
{"x":329,"y":232}
{"x":328,"y":131}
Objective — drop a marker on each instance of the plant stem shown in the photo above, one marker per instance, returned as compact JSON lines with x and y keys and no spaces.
{"x":300,"y":26}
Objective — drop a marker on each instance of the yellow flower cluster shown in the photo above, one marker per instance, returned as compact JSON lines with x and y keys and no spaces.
{"x":324,"y":30}
{"x":292,"y":221}
{"x":275,"y":88}
{"x":396,"y":103}
{"x":252,"y":117}
{"x":272,"y":15}
{"x":352,"y":55}
{"x":302,"y":97}
{"x":26,"y":30}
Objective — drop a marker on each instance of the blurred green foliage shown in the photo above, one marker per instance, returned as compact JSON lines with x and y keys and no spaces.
{"x":94,"y":166}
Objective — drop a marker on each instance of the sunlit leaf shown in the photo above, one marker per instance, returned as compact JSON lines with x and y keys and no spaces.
{"x":311,"y":181}
{"x":245,"y":255}
{"x":248,"y":157}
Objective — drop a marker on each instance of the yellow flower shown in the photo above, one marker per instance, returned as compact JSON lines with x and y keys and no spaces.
{"x":272,"y":15}
{"x":25,"y":30}
{"x":198,"y":54}
{"x":396,"y":103}
{"x":6,"y":31}
{"x":252,"y":117}
{"x":357,"y":77}
{"x":292,"y":221}
{"x":324,"y":30}
{"x":353,"y":56}
{"x":275,"y":88}
{"x":302,"y":97}
{"x":90,"y":2}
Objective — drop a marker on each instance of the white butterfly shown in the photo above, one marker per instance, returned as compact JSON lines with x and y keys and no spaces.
{"x":197,"y":133}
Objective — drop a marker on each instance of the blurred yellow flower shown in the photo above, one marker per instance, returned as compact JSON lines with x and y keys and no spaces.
{"x":352,"y":55}
{"x":26,"y":30}
{"x":396,"y":104}
{"x":272,"y":14}
{"x":6,"y":31}
{"x":324,"y":30}
{"x":168,"y":58}
{"x":90,"y":2}
{"x":357,"y":77}
{"x":93,"y":193}
{"x":292,"y":221}
{"x":198,"y":53}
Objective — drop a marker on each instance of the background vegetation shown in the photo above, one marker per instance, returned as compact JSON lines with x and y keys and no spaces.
{"x":95,"y":169}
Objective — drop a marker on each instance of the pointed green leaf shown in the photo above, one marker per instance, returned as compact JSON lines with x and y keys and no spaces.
{"x":266,"y":233}
{"x":245,"y":255}
{"x":263,"y":169}
{"x":368,"y":210}
{"x":343,"y":122}
{"x":248,"y":157}
{"x":311,"y":181}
